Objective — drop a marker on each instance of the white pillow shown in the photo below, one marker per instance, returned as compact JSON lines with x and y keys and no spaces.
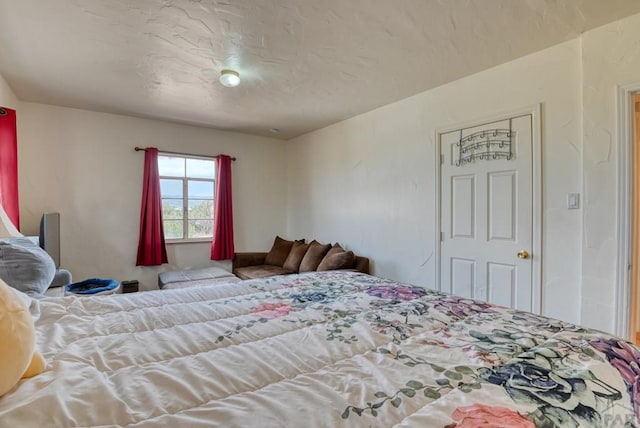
{"x":31,"y":303}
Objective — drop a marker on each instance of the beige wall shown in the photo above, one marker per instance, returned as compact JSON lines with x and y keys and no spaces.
{"x":82,"y":164}
{"x":369,"y":182}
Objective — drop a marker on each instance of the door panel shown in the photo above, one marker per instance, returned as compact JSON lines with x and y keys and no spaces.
{"x":501,"y":284}
{"x":463,"y":276}
{"x":502,"y":206}
{"x":487,"y":212}
{"x":463,"y":206}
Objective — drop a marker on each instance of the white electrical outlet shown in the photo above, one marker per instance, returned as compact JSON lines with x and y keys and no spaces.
{"x":573,"y":201}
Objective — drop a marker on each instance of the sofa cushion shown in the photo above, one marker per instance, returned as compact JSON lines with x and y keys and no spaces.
{"x":261,"y":271}
{"x":313,"y":256}
{"x":295,"y":256}
{"x":343,"y":260}
{"x":279,"y":252}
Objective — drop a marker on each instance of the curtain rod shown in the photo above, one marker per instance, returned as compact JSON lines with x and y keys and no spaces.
{"x":142,"y":149}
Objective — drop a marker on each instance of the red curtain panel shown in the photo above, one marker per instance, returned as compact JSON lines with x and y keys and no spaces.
{"x":9,"y":165}
{"x":222,"y":246}
{"x":151,"y":246}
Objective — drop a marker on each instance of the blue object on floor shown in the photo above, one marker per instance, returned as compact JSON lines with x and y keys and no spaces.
{"x":94,"y":286}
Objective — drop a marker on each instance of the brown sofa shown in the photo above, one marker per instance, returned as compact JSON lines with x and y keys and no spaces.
{"x":288,"y":257}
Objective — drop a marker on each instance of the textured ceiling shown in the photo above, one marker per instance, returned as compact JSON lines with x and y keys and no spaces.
{"x":304,"y":64}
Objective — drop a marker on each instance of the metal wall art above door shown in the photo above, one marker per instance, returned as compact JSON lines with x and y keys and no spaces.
{"x":488,"y":144}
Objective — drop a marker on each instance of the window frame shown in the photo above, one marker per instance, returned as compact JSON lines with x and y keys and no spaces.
{"x":185,"y":197}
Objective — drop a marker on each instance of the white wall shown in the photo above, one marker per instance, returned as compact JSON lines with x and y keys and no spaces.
{"x":82,"y":164}
{"x":611,"y":57}
{"x":7,"y":96}
{"x":369,"y":182}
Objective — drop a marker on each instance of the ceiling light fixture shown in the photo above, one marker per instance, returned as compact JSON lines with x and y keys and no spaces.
{"x":229,"y":78}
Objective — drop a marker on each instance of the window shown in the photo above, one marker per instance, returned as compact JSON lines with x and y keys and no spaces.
{"x":187,"y":187}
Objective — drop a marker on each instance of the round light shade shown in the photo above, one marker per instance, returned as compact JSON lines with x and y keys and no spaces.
{"x":229,"y":78}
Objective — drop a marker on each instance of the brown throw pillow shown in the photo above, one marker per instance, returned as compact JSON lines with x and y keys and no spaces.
{"x":314,"y":256}
{"x":279,"y":252}
{"x":295,"y":256}
{"x":343,"y":260}
{"x":335,"y":249}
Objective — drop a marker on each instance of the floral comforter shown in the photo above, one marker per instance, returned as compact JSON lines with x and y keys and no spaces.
{"x":320,"y":349}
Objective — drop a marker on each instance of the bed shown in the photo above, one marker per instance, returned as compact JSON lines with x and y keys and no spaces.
{"x":324,"y":349}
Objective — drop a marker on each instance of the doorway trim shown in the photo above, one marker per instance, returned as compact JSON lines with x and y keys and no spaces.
{"x":536,"y":168}
{"x":625,"y":206}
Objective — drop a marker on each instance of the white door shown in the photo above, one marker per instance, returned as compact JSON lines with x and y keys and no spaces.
{"x":487,"y":213}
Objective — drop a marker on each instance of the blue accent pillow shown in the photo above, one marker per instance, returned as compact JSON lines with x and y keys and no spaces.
{"x":25,"y":266}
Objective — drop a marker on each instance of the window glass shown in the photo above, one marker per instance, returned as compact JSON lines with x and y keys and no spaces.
{"x":170,"y":166}
{"x":201,"y":189}
{"x":201,"y":209}
{"x":173,"y":229}
{"x":171,"y":188}
{"x":187,"y":183}
{"x":200,"y":228}
{"x":172,"y":209}
{"x":201,"y":168}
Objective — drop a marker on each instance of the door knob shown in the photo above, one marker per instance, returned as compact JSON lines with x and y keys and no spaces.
{"x":523,"y":254}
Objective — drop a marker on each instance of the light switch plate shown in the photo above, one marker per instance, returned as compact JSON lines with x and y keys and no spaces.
{"x":573,"y":201}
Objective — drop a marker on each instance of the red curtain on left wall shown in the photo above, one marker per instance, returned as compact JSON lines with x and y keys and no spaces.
{"x":9,"y":165}
{"x":152,"y":250}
